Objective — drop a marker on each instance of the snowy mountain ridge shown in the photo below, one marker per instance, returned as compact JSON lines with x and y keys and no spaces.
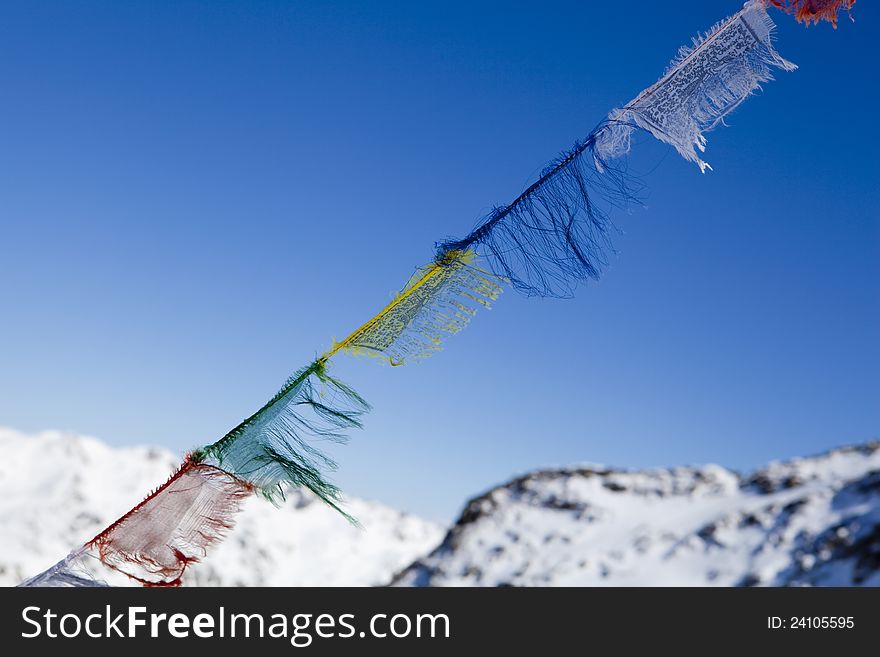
{"x":808,"y":521}
{"x":57,"y":490}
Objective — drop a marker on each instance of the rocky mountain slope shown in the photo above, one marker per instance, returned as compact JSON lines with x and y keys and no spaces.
{"x":809,"y":521}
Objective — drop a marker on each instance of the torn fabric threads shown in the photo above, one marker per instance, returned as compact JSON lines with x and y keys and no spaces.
{"x":813,"y":11}
{"x":272,"y":449}
{"x":275,"y":448}
{"x":439,"y":300}
{"x":174,"y":526}
{"x":700,"y":87}
{"x":555,"y":234}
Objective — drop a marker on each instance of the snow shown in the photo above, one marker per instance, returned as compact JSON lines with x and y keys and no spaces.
{"x":807,"y":521}
{"x":57,"y":490}
{"x":813,"y":521}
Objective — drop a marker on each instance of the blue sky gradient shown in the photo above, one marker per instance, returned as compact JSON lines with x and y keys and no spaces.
{"x":197,"y":196}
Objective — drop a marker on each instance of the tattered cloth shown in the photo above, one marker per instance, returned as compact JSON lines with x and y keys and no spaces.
{"x":700,"y":87}
{"x":813,"y":11}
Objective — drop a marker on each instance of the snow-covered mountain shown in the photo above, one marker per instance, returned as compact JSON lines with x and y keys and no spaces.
{"x":810,"y":521}
{"x":58,"y":490}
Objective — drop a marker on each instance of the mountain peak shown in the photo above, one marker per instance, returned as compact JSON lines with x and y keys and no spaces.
{"x":807,"y":521}
{"x":60,"y":489}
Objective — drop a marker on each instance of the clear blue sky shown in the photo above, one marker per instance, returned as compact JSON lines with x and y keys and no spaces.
{"x":195,"y":197}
